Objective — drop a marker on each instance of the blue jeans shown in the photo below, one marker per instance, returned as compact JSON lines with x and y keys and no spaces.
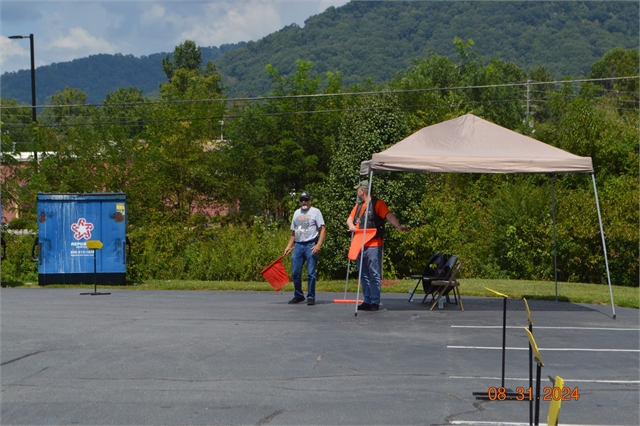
{"x":371,"y":267}
{"x":301,"y":254}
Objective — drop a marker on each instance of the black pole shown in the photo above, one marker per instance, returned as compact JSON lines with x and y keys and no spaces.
{"x":530,"y":377}
{"x":33,"y":81}
{"x":504,"y":336}
{"x":538,"y":372}
{"x":33,"y":94}
{"x":33,"y":87}
{"x":95,"y":279}
{"x":555,"y":250}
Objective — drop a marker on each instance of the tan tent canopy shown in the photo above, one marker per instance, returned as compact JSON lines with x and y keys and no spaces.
{"x":469,"y":144}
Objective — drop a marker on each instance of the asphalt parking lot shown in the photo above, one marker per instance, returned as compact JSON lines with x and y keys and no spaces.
{"x":249,"y":358}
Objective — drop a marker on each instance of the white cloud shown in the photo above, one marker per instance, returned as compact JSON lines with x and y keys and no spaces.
{"x":152,"y":15}
{"x":79,"y":39}
{"x":241,"y":22}
{"x":11,"y":50}
{"x":66,"y":29}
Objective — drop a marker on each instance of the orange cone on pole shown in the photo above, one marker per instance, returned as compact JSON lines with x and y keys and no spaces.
{"x":275,"y":274}
{"x":356,"y":242}
{"x":354,"y":251}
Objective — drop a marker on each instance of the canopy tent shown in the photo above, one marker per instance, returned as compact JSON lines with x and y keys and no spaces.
{"x":469,"y":144}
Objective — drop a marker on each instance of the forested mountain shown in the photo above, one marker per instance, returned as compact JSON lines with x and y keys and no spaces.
{"x":373,"y":40}
{"x":96,"y":75}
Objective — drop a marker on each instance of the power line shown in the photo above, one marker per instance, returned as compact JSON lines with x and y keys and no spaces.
{"x":143,"y":121}
{"x":280,"y":114}
{"x":320,"y":95}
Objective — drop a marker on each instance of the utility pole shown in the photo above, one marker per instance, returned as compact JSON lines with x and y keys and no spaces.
{"x":34,"y":118}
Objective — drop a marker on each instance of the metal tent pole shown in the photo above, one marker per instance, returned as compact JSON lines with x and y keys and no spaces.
{"x":555,"y":250}
{"x":346,"y":283}
{"x":604,"y":244}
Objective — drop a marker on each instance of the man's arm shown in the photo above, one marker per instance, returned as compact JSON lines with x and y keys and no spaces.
{"x":289,"y":247}
{"x":350,"y":224}
{"x":394,"y":221}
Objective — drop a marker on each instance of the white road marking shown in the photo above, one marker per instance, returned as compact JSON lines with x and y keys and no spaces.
{"x":545,"y":349}
{"x":472,"y":422}
{"x":520,"y":379}
{"x":549,"y":328}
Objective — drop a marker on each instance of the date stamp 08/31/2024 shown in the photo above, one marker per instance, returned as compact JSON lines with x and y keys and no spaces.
{"x":526,"y":394}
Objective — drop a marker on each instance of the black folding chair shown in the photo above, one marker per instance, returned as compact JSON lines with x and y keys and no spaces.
{"x":443,"y":275}
{"x":431,"y":271}
{"x":443,"y":287}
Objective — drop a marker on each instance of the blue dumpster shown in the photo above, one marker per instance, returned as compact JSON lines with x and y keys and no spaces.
{"x":66,"y":222}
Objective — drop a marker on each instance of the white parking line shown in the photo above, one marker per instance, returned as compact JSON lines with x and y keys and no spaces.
{"x":473,"y":422}
{"x":549,"y":328}
{"x":520,"y":379}
{"x":545,"y":349}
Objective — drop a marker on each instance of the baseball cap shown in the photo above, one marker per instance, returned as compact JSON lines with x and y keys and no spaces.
{"x":362,"y":184}
{"x":305,"y":196}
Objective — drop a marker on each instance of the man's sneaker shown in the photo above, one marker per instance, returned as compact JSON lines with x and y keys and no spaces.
{"x":311,"y":301}
{"x":374,"y":307}
{"x":364,"y":307}
{"x":296,"y":300}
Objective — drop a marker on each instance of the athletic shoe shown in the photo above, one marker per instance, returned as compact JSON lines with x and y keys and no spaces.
{"x":364,"y":307}
{"x":311,"y":302}
{"x":296,"y":300}
{"x":374,"y":307}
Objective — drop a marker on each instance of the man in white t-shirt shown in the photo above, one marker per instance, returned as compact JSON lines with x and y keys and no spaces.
{"x":307,"y":232}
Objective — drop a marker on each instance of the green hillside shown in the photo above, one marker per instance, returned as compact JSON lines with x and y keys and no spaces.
{"x":376,"y":39}
{"x":95,"y":75}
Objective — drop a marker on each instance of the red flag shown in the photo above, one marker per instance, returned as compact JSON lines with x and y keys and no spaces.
{"x":356,"y":242}
{"x":275,"y":274}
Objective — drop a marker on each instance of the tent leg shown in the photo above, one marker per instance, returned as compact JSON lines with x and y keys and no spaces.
{"x":346,"y":283}
{"x":555,"y":250}
{"x":604,"y":244}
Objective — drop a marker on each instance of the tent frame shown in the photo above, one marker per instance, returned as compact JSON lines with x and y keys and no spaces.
{"x":368,"y":168}
{"x":555,"y":265}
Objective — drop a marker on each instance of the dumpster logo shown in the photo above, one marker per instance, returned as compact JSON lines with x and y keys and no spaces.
{"x":82,"y":229}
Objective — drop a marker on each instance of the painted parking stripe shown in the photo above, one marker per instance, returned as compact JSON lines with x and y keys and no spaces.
{"x":545,"y":349}
{"x":473,"y":422}
{"x":520,"y":379}
{"x":549,"y":328}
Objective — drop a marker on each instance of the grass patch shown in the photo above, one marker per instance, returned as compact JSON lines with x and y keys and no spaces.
{"x":623,"y":296}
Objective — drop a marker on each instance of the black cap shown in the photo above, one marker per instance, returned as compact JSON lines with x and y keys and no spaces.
{"x":305,"y":196}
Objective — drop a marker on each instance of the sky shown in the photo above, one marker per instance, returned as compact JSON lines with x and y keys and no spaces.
{"x":71,"y":29}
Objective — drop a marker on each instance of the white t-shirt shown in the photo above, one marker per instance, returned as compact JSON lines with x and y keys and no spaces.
{"x":306,"y":224}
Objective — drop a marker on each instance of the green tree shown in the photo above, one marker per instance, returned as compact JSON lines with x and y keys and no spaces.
{"x":426,"y":91}
{"x":371,"y":124}
{"x":125,"y":111}
{"x":17,"y":129}
{"x":178,"y":172}
{"x":287,"y":139}
{"x":615,"y":64}
{"x":187,"y":56}
{"x":67,"y":107}
{"x":499,"y":102}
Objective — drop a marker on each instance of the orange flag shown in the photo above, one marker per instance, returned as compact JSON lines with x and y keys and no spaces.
{"x":356,"y":242}
{"x":275,"y":274}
